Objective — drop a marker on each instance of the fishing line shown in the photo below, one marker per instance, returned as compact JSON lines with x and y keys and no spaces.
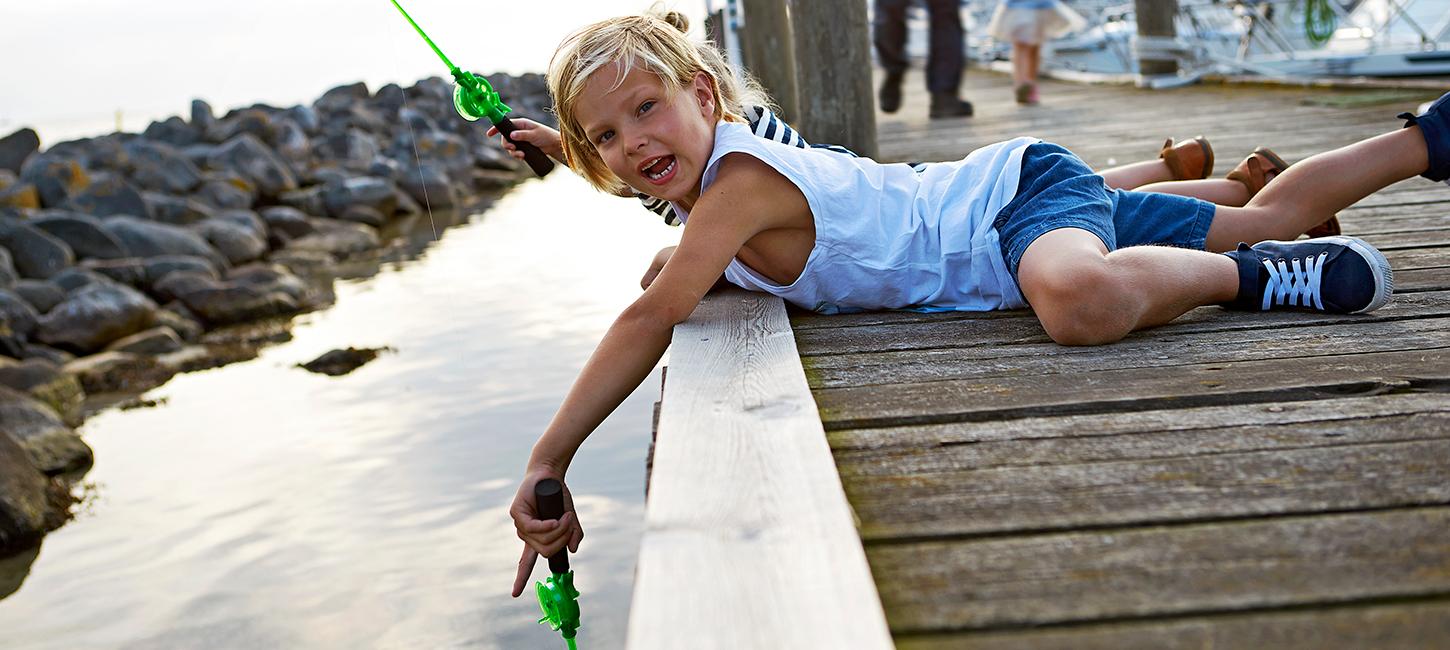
{"x":414,"y":136}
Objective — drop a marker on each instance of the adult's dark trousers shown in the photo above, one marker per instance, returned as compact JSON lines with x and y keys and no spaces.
{"x":944,"y":54}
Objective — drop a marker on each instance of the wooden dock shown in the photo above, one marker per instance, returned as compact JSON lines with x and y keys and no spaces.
{"x":1229,"y":480}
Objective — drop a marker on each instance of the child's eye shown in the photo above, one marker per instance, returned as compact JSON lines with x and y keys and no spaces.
{"x":646,"y":106}
{"x":604,"y":137}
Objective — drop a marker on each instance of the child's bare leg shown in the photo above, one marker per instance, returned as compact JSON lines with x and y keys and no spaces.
{"x":1084,"y":295}
{"x":1312,"y":191}
{"x":1134,"y":175}
{"x":1034,"y":62}
{"x":1214,"y":190}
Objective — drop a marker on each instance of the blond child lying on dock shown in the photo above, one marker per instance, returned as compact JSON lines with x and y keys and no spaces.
{"x":1021,"y":223}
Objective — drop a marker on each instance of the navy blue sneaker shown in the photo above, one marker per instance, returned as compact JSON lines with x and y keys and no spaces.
{"x":1342,"y":275}
{"x":1434,"y":124}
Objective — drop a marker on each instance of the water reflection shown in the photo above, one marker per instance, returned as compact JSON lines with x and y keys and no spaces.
{"x":262,"y":505}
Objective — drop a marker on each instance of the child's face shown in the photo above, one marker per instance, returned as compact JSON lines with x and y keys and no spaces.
{"x":654,"y":140}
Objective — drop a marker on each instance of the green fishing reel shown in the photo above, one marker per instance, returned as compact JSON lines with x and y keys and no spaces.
{"x":474,"y":98}
{"x":557,"y":596}
{"x":560,"y":602}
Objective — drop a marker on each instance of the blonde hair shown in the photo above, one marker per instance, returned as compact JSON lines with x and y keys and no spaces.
{"x":653,"y":42}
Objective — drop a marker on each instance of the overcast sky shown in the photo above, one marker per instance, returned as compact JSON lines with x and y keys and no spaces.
{"x":69,"y":65}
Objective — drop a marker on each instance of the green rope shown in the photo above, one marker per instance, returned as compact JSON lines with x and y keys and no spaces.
{"x":1319,"y":21}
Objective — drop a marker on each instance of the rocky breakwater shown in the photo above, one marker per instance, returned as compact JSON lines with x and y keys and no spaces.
{"x":127,"y":258}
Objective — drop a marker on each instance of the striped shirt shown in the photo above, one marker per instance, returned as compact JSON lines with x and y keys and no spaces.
{"x":764,"y":124}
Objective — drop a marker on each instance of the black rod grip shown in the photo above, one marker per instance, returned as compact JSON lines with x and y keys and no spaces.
{"x":549,"y":495}
{"x":535,"y":157}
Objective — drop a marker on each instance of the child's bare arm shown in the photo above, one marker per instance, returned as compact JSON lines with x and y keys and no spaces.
{"x":731,"y":212}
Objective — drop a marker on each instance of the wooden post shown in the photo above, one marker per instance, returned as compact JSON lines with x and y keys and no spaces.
{"x":715,"y":28}
{"x":1156,"y":31}
{"x":833,"y":73}
{"x":769,"y":52}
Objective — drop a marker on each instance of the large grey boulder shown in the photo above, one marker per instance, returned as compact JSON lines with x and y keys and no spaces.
{"x":238,"y":243}
{"x":16,"y":147}
{"x":95,"y":315}
{"x":174,"y":131}
{"x":75,"y":277}
{"x":157,"y":268}
{"x":307,"y":199}
{"x":109,"y":194}
{"x":51,"y":445}
{"x":82,"y":233}
{"x":36,"y":253}
{"x":176,"y":210}
{"x":250,"y":158}
{"x":17,"y":313}
{"x":446,"y":149}
{"x":113,"y":371}
{"x":42,"y":379}
{"x":31,"y":503}
{"x":353,"y":149}
{"x":253,"y":222}
{"x":150,"y":239}
{"x":154,"y":341}
{"x":202,"y":116}
{"x":269,"y":278}
{"x":41,"y":294}
{"x":55,"y":176}
{"x":286,"y":222}
{"x":127,"y":270}
{"x":226,"y":193}
{"x":225,"y":303}
{"x":368,"y":191}
{"x":429,"y":184}
{"x":337,"y":238}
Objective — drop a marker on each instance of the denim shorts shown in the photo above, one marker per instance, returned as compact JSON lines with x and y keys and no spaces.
{"x":1058,"y":190}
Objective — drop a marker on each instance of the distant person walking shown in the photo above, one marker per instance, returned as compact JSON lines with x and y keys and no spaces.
{"x":944,"y":55}
{"x":1026,"y":24}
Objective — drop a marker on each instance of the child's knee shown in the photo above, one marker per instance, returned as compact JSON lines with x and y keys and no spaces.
{"x":1082,"y":303}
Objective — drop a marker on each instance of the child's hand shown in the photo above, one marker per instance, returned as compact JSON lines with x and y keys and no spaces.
{"x":543,"y":137}
{"x":655,"y":265}
{"x":541,"y":537}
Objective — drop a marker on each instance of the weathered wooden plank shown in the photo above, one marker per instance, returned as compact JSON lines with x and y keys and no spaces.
{"x":748,"y":541}
{"x":1159,"y":349}
{"x":1136,"y":389}
{"x":1230,"y":485}
{"x":1434,"y":279}
{"x":1210,"y":419}
{"x":947,"y":331}
{"x":1162,"y":571}
{"x":1417,"y":624}
{"x":1270,"y":433}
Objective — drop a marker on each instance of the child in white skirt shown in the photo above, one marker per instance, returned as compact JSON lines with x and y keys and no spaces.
{"x":1026,"y":24}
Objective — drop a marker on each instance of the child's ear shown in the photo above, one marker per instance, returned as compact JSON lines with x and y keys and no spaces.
{"x":703,"y":88}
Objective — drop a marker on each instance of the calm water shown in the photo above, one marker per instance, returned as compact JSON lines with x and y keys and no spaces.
{"x":265,"y":506}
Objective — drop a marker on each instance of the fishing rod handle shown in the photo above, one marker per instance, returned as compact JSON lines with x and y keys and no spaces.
{"x":535,"y":157}
{"x":549,"y":495}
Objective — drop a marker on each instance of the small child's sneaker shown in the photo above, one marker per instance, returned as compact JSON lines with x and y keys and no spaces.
{"x":1434,"y":123}
{"x":1343,"y":275}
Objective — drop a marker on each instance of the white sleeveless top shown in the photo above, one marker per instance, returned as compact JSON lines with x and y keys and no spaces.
{"x":887,"y":236}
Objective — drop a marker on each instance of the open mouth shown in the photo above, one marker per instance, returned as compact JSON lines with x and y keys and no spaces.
{"x":659,"y":170}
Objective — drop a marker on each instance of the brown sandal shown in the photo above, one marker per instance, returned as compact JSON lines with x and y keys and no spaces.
{"x":1189,"y":161}
{"x":1253,"y":172}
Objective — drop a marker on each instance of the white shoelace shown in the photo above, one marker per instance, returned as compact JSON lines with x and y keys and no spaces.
{"x":1294,"y":284}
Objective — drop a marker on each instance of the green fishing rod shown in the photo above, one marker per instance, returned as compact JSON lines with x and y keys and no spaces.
{"x":557,"y":595}
{"x":474,"y":98}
